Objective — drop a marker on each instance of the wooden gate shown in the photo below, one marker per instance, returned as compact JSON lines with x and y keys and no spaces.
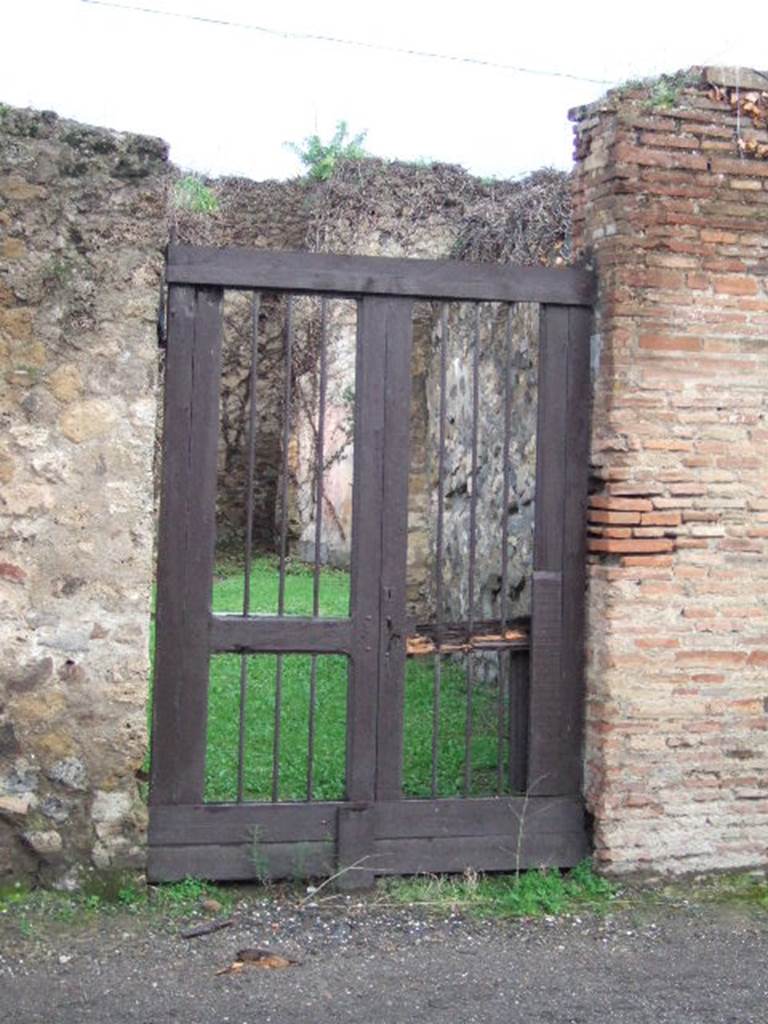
{"x":536,"y":815}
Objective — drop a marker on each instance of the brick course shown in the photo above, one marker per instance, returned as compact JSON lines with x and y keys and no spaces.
{"x":671,"y":210}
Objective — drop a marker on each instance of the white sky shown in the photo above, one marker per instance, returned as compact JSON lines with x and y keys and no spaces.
{"x":228,"y":98}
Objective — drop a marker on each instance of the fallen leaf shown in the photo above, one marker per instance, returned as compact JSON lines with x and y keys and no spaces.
{"x":264,"y":959}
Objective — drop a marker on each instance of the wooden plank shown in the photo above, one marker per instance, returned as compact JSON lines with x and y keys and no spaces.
{"x":555,"y":729}
{"x":299,"y":272}
{"x":355,"y":846}
{"x":246,"y":862}
{"x":545,"y":774}
{"x":579,"y":400}
{"x":422,"y":819}
{"x":226,"y":824}
{"x":272,"y":634}
{"x":186,"y":545}
{"x":550,"y":439}
{"x":365,"y":575}
{"x":394,"y":533}
{"x":481,"y":853}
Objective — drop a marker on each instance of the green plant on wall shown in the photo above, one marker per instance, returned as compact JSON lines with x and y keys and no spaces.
{"x":320,"y":158}
{"x":191,"y":193}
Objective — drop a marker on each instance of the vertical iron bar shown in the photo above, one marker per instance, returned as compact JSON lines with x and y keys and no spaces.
{"x":501,"y":706}
{"x":439,"y":545}
{"x":255,"y":306}
{"x":319,"y":457}
{"x":319,"y":471}
{"x":283,"y":542}
{"x":284,"y":455}
{"x":472,"y":549}
{"x":504,"y":657}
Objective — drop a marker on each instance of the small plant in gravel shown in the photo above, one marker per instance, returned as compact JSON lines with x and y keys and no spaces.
{"x":529,"y":894}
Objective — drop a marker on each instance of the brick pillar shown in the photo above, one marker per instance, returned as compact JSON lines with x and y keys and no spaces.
{"x":671,"y":207}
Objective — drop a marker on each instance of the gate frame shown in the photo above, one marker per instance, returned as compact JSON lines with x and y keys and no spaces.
{"x":396,"y":835}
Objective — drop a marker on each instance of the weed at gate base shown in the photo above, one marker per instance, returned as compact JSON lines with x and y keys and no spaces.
{"x":529,"y":894}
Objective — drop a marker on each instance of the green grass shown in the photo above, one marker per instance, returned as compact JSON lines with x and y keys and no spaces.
{"x":33,"y":910}
{"x":527,"y":894}
{"x":229,"y":586}
{"x":331,"y":706}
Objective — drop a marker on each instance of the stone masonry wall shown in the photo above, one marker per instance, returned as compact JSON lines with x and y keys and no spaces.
{"x":671,"y":205}
{"x":82,"y":228}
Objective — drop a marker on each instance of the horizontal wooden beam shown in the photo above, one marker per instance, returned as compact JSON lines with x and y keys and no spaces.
{"x":426,"y":819}
{"x":225,"y":824}
{"x":274,"y":635}
{"x":262,"y":862}
{"x":299,"y":272}
{"x":481,"y":853}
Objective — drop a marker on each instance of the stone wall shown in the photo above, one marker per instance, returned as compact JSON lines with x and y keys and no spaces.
{"x":82,"y":227}
{"x":672,"y":208}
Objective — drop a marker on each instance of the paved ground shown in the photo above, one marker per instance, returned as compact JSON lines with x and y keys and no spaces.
{"x":364,"y":963}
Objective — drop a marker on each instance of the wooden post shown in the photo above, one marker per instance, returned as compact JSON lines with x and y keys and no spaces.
{"x":186,"y":544}
{"x":557,"y":627}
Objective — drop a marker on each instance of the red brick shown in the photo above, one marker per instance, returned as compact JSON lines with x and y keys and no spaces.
{"x":614,"y":518}
{"x":735,"y":285}
{"x":714,"y":657}
{"x":660,"y":519}
{"x":612,"y":504}
{"x":630,"y":547}
{"x":666,"y":343}
{"x":653,"y":561}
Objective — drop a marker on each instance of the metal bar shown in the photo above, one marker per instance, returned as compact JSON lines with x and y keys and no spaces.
{"x":276,"y":733}
{"x":504,"y":659}
{"x":505,"y":476}
{"x":472,"y":550}
{"x":436,"y":686}
{"x":320,"y":456}
{"x":311,"y":727}
{"x":284,"y":455}
{"x":377,"y":275}
{"x":319,"y":474}
{"x":241,"y":727}
{"x":283,"y":541}
{"x":501,"y":683}
{"x":439,"y":542}
{"x":255,"y":304}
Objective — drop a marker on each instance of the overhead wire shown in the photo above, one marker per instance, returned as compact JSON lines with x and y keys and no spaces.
{"x":336,"y":40}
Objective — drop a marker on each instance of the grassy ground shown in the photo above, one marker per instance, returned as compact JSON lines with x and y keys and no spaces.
{"x":331,"y":707}
{"x":530,"y":894}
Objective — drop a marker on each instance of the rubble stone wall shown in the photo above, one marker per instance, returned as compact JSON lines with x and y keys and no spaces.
{"x":82,"y":229}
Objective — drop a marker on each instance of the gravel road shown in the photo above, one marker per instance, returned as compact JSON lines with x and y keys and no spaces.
{"x":362,"y":963}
